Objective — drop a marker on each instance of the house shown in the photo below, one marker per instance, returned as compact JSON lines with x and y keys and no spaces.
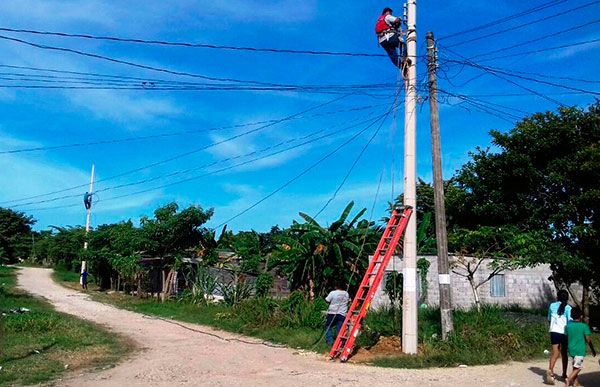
{"x":528,"y":287}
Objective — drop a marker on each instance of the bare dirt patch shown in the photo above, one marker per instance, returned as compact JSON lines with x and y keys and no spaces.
{"x":386,"y":347}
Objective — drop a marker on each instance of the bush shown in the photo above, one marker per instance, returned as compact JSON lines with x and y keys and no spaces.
{"x":298,"y":311}
{"x":263,"y":285}
{"x":261,"y":311}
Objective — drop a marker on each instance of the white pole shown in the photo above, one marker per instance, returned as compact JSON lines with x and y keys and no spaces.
{"x":409,"y":299}
{"x":89,"y":210}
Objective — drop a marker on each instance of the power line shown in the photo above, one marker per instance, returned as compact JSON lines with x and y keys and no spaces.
{"x":190,"y":45}
{"x":180,"y":155}
{"x":496,"y":71}
{"x":543,"y":37}
{"x":505,"y":70}
{"x":541,"y":50}
{"x":372,"y":122}
{"x":133,"y":64}
{"x":175,"y":173}
{"x":224,"y":169}
{"x":304,"y":172}
{"x":560,"y":14}
{"x":170,"y":134}
{"x":503,"y":19}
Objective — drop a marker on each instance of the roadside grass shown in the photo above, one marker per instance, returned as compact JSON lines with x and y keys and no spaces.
{"x":494,"y":335}
{"x":40,"y":345}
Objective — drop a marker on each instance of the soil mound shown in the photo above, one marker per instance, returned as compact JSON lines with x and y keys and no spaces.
{"x":386,"y":346}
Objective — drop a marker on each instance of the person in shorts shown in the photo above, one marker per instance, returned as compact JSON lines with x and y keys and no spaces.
{"x":559,"y":313}
{"x":578,"y":334}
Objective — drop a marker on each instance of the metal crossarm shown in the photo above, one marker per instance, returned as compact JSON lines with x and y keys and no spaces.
{"x":346,"y":337}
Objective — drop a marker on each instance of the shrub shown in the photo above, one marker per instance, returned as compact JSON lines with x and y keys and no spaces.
{"x":298,"y":311}
{"x":261,"y":311}
{"x":263,"y":285}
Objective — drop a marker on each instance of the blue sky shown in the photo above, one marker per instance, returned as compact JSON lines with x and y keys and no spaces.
{"x":48,"y":117}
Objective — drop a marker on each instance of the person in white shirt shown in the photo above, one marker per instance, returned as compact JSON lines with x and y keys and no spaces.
{"x":389,"y":37}
{"x":559,"y":314}
{"x":338,"y":301}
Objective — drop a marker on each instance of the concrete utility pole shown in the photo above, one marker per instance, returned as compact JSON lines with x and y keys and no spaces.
{"x":438,"y":194}
{"x":409,"y":297}
{"x":89,"y":212}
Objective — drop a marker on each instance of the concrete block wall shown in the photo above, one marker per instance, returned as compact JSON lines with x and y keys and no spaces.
{"x":528,"y":287}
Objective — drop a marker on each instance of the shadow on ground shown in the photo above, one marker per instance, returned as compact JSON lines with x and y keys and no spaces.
{"x":585,"y":378}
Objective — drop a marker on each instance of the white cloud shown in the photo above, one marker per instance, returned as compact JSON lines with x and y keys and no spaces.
{"x":126,"y":203}
{"x":572,"y":51}
{"x":272,"y":12}
{"x":23,"y":177}
{"x":121,"y":107}
{"x":54,"y":12}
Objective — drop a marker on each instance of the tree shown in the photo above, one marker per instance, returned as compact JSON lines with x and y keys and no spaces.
{"x":316,"y":257}
{"x":544,"y":177}
{"x":173,"y":233}
{"x":114,"y":251}
{"x":15,"y":235}
{"x":61,"y":246}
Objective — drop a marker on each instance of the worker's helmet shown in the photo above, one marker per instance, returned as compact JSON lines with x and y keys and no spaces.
{"x":387,"y":9}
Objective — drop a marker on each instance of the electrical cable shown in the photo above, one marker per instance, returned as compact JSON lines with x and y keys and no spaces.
{"x":503,"y":19}
{"x":543,"y":37}
{"x":188,"y":170}
{"x":580,"y":43}
{"x":187,"y":44}
{"x":180,"y":155}
{"x":496,"y":71}
{"x":304,"y":172}
{"x":349,"y":172}
{"x":164,"y":135}
{"x":132,"y":64}
{"x":560,"y":14}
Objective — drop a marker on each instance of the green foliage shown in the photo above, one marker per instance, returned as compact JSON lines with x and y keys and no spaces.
{"x":57,"y":338}
{"x":15,"y":235}
{"x":61,"y":245}
{"x":543,"y":176}
{"x":263,"y":285}
{"x":298,"y":311}
{"x":236,"y":290}
{"x":393,"y":288}
{"x":172,"y":233}
{"x":493,"y":335}
{"x":202,"y":286}
{"x":423,"y":268}
{"x":314,"y":257}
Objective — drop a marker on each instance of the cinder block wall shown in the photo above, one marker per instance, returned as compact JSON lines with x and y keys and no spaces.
{"x":528,"y":287}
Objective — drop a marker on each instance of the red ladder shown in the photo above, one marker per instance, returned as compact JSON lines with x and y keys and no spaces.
{"x":344,"y":343}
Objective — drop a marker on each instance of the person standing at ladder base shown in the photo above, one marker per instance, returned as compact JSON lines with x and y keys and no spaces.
{"x":338,"y":301}
{"x":389,"y":36}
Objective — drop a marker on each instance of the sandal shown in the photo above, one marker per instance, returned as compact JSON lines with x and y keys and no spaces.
{"x":550,"y":377}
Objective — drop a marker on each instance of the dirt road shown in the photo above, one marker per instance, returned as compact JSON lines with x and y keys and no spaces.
{"x":172,"y":355}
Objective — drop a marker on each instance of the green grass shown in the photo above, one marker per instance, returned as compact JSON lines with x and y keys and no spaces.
{"x":494,"y":335}
{"x":36,"y":346}
{"x":62,"y":275}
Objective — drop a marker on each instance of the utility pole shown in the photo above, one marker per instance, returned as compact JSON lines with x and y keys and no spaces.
{"x":438,"y":194}
{"x":409,"y":297}
{"x":88,"y":215}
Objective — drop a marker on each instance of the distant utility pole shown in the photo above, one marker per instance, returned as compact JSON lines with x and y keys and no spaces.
{"x":438,"y":194}
{"x":409,"y":296}
{"x":88,"y":207}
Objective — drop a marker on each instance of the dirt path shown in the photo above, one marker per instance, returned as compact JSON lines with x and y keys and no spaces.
{"x":173,"y":355}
